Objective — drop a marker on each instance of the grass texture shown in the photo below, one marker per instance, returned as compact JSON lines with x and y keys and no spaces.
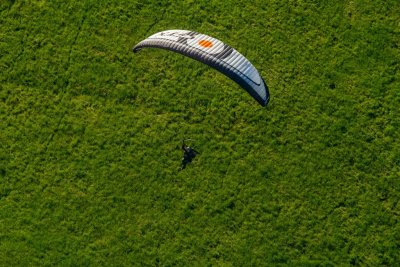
{"x":90,"y":135}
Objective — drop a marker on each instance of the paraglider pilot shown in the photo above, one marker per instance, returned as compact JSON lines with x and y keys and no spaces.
{"x":188,"y":155}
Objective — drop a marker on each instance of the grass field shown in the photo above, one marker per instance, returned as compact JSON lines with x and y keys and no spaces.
{"x":90,"y":135}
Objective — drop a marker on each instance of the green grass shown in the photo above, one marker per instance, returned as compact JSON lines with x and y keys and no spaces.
{"x":90,"y":135}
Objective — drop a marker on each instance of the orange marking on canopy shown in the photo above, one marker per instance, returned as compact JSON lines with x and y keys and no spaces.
{"x":205,"y":43}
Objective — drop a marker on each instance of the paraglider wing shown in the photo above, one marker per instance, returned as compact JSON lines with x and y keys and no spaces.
{"x":214,"y":53}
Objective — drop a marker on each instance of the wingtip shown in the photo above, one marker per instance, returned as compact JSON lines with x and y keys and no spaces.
{"x":136,"y":49}
{"x":266,"y":102}
{"x":267,"y":93}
